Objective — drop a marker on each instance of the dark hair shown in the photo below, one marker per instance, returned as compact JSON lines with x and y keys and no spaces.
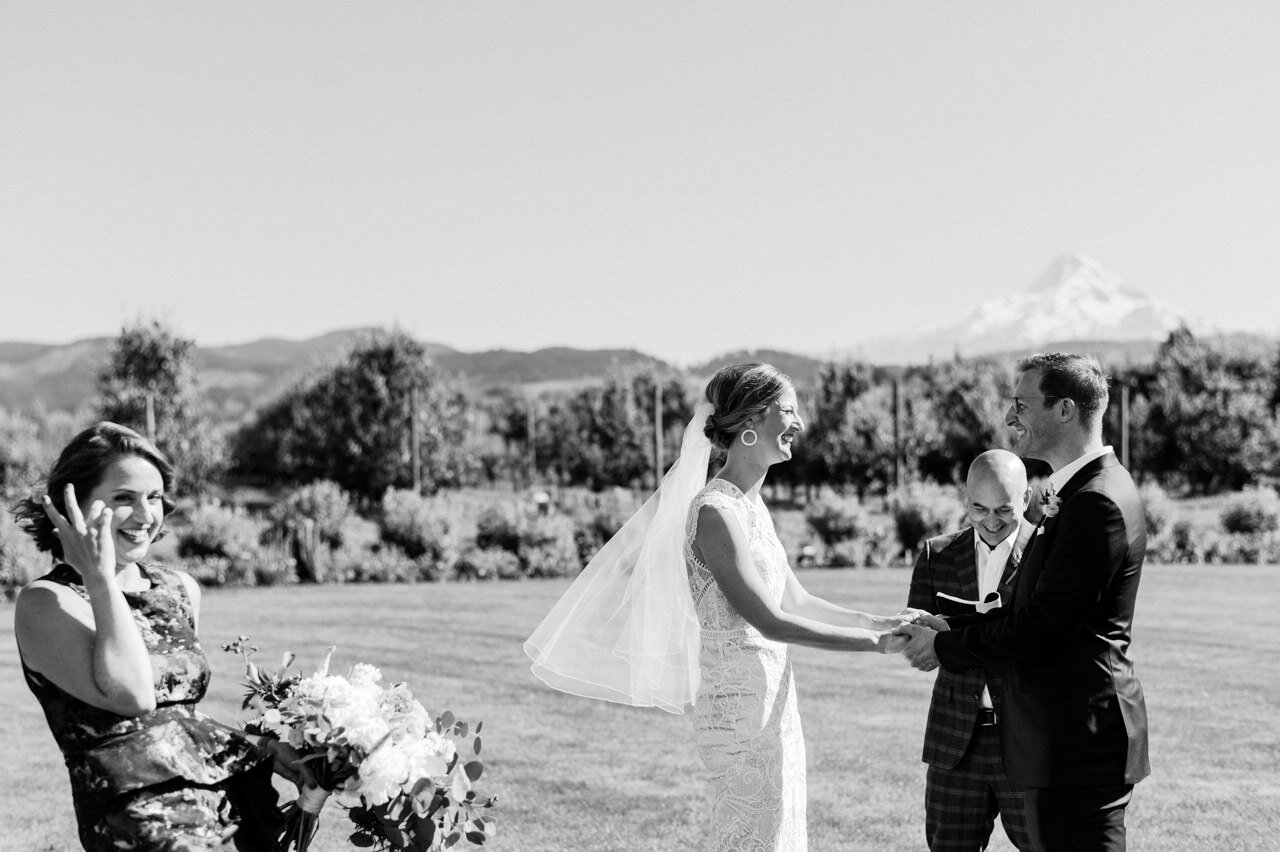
{"x":739,"y":393}
{"x":82,"y":464}
{"x":1075,"y":377}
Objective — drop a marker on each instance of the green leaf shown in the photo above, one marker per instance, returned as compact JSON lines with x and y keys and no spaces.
{"x":423,"y":832}
{"x":462,"y":729}
{"x":447,"y":719}
{"x":475,"y":746}
{"x":474,"y":769}
{"x":361,"y":839}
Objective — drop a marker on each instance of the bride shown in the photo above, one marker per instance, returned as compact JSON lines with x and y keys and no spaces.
{"x":693,"y":602}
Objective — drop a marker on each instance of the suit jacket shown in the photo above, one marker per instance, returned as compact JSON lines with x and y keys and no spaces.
{"x":1074,"y":713}
{"x":947,"y":564}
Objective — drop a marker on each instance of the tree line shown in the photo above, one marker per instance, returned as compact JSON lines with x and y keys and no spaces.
{"x":1201,"y":417}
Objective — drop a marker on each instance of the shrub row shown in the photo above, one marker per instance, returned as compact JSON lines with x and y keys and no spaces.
{"x":315,"y":534}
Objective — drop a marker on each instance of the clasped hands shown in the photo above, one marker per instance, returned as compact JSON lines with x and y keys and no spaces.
{"x":918,"y":633}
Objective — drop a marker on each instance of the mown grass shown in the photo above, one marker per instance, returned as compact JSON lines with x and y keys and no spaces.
{"x":584,"y":775}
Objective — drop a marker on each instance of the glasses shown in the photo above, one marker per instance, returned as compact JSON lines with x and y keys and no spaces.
{"x":1017,"y":401}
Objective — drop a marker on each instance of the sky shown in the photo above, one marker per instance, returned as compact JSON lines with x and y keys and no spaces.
{"x":684,"y":178}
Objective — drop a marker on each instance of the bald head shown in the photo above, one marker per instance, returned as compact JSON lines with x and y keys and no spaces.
{"x":997,"y":494}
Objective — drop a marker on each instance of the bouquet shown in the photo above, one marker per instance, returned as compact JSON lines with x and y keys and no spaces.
{"x":404,"y":777}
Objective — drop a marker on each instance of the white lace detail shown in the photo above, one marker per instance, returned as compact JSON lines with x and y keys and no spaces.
{"x":746,"y":719}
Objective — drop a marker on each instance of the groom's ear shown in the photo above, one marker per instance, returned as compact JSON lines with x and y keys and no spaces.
{"x":1067,"y":408}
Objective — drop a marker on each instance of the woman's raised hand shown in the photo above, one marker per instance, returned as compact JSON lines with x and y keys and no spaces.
{"x":87,"y":543}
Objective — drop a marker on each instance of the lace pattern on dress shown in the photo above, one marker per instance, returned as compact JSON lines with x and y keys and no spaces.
{"x":746,"y":718}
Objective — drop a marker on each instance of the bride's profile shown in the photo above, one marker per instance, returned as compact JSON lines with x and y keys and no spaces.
{"x":693,"y":604}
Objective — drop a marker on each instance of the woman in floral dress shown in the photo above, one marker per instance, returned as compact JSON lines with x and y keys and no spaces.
{"x":108,"y":645}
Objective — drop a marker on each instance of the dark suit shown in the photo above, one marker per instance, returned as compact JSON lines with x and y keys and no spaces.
{"x":966,"y":785}
{"x":1074,"y":729}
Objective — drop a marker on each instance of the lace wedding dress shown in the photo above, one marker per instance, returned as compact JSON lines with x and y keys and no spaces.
{"x":746,"y":721}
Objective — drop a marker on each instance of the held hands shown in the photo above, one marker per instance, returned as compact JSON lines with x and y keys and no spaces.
{"x":890,"y":642}
{"x":87,"y":543}
{"x":919,"y":649}
{"x":928,"y":619}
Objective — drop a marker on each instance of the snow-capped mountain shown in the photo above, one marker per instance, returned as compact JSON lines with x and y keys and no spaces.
{"x":1075,"y":299}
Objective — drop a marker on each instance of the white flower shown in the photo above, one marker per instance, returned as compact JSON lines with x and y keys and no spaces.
{"x":384,"y":773}
{"x":1050,"y":502}
{"x":364,"y":675}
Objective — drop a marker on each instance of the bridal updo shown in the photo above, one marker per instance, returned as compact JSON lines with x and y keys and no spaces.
{"x":739,"y":393}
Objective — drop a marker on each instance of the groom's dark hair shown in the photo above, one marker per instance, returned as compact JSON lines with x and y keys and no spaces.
{"x":1075,"y":377}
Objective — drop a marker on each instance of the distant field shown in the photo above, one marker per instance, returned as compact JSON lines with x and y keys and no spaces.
{"x":583,"y":775}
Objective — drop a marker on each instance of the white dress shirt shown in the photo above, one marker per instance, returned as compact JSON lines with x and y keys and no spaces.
{"x":1059,"y":478}
{"x":991,"y":562}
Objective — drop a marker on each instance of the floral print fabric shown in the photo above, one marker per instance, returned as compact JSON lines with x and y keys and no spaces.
{"x":164,"y":769}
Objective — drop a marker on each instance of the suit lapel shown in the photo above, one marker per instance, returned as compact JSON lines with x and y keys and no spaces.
{"x":1026,"y":534}
{"x":1034,"y":548}
{"x":1084,"y":474}
{"x":967,"y":565}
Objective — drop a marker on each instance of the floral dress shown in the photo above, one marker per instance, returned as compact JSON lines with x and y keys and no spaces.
{"x":746,"y":720}
{"x":171,"y":779}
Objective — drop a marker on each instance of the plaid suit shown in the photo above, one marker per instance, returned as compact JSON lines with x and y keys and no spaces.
{"x":966,"y":785}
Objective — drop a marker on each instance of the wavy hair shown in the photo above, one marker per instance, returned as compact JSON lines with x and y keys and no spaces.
{"x":739,"y":393}
{"x":82,"y":463}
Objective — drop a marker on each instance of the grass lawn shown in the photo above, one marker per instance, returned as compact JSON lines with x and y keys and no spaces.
{"x":585,"y":775}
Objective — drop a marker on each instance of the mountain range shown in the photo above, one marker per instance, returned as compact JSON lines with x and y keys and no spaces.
{"x":1075,"y":305}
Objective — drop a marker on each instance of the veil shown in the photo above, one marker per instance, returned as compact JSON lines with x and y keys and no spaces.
{"x":626,"y":630}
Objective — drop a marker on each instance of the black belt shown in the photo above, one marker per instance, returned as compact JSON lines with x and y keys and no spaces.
{"x":987,"y":718}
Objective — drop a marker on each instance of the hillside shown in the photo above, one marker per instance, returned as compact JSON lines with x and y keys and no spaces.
{"x":236,"y":379}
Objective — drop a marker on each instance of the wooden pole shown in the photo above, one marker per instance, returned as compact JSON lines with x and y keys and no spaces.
{"x":530,"y":432}
{"x":897,"y":437}
{"x":415,"y":449}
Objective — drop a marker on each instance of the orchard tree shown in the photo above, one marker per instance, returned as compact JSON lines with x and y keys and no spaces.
{"x":601,"y":436}
{"x":1213,"y":409}
{"x":966,"y":401}
{"x":851,"y":433}
{"x":354,"y":425}
{"x":150,"y":385}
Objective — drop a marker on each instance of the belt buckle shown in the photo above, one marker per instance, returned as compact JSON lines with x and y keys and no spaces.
{"x":987,"y":718}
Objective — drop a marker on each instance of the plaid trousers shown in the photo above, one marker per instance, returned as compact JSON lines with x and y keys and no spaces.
{"x":961,"y":803}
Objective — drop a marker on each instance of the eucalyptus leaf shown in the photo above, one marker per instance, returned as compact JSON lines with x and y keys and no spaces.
{"x":474,"y":769}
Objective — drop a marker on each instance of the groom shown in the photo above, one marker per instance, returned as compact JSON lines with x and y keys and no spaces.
{"x":1074,"y":730}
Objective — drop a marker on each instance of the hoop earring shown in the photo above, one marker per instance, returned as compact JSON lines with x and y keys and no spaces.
{"x":754,"y":437}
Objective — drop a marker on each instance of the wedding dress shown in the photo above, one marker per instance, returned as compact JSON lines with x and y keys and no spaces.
{"x":746,"y":720}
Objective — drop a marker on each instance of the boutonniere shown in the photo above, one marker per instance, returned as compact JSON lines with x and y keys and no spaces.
{"x":1050,"y":502}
